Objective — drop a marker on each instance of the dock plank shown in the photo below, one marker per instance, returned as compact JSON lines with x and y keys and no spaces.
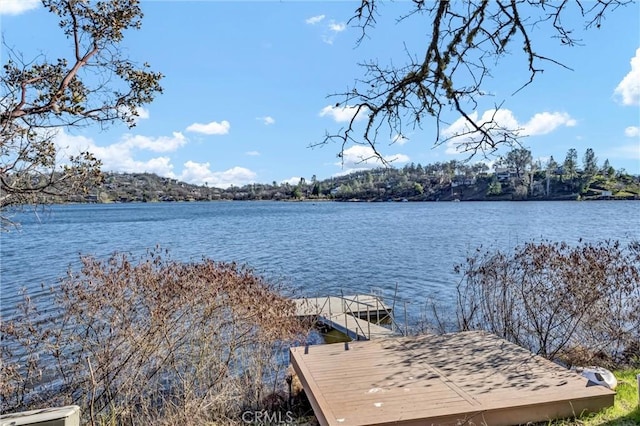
{"x":440,"y":380}
{"x":348,"y":314}
{"x":330,"y":305}
{"x":356,"y":328}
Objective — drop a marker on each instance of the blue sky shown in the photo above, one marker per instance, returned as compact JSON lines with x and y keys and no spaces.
{"x":246,"y":86}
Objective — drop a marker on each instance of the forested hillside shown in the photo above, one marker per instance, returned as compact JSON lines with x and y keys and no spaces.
{"x":513,"y":177}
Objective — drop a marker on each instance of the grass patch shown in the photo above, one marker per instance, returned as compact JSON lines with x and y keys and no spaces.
{"x":625,"y":411}
{"x":624,"y":194}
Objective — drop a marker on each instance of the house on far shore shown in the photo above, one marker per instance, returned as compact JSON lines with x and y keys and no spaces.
{"x":503,"y":174}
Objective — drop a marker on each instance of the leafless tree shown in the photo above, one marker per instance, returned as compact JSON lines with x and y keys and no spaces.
{"x":575,"y":303}
{"x":468,"y":38}
{"x":149,"y":340}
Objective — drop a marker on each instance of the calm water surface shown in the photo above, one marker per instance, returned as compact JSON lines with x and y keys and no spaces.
{"x":320,"y":248}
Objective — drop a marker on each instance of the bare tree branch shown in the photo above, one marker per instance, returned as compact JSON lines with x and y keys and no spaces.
{"x":466,"y":39}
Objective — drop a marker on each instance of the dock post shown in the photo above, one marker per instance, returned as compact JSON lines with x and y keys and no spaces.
{"x":346,"y":326}
{"x":406,"y":331}
{"x":368,"y":323}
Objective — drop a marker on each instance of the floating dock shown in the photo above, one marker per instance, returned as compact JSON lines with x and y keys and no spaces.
{"x":471,"y":378}
{"x":358,"y":316}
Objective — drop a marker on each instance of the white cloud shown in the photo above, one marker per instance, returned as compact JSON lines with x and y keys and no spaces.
{"x":462,"y":132}
{"x":337,"y":27}
{"x":629,"y":88}
{"x":333,"y":29}
{"x":497,"y":122}
{"x":363,"y":157}
{"x":343,"y":114}
{"x":16,"y":7}
{"x":330,"y":31}
{"x":199,"y":173}
{"x":119,"y":157}
{"x":397,"y":158}
{"x":632,"y":131}
{"x":502,"y":118}
{"x":267,"y":120}
{"x":314,"y":19}
{"x":546,"y":122}
{"x":253,"y":153}
{"x":67,"y":144}
{"x":213,"y":128}
{"x":294,"y":180}
{"x":141,"y":113}
{"x":161,"y":166}
{"x":159,"y":144}
{"x":399,"y":139}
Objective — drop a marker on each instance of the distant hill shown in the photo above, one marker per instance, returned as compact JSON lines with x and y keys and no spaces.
{"x":436,"y":182}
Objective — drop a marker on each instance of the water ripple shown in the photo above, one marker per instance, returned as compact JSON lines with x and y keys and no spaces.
{"x":321,"y":248}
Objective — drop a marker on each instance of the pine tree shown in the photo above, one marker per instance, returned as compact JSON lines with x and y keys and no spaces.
{"x":590,"y":163}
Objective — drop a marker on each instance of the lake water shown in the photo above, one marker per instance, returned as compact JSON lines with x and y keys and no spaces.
{"x":320,"y":248}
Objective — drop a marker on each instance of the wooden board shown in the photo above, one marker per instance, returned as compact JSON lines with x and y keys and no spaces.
{"x":471,"y":376}
{"x":358,"y":305}
{"x":355,"y":328}
{"x":348,"y":314}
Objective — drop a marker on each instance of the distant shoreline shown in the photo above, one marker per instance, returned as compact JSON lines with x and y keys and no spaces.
{"x":367,"y":186}
{"x":325,"y":200}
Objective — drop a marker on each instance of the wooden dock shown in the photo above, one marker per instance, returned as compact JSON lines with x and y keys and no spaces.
{"x":356,"y":316}
{"x":462,"y":378}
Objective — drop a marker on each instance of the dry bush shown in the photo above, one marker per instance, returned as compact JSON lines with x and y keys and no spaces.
{"x":579,"y":304}
{"x":150,"y":340}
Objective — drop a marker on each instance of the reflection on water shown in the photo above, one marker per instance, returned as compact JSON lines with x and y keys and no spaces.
{"x":334,"y":336}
